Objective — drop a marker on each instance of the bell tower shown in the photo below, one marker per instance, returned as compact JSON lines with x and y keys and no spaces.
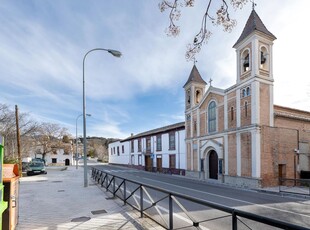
{"x":254,"y":71}
{"x":254,"y":50}
{"x":194,"y":89}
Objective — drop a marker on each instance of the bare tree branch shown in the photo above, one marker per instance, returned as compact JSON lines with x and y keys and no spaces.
{"x":220,"y":18}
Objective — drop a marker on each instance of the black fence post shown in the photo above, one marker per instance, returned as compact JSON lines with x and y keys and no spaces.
{"x":107,"y":182}
{"x":113,"y":186}
{"x":234,"y":221}
{"x":125,"y":192}
{"x":141,"y":201}
{"x":170,"y":212}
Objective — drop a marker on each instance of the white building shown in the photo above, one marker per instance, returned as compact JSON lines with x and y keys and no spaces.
{"x":158,"y":150}
{"x":58,"y":157}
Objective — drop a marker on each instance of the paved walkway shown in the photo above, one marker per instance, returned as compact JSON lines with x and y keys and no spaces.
{"x":58,"y":200}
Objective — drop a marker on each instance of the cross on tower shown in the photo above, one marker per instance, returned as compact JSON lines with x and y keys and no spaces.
{"x":210,"y":81}
{"x":194,"y":60}
{"x":253,"y":4}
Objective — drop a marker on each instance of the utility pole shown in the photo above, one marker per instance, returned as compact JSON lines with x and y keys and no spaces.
{"x":18,"y":143}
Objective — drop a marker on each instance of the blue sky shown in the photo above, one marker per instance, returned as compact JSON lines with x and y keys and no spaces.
{"x":43,"y":42}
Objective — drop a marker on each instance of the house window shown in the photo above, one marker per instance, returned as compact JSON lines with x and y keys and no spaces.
{"x":158,"y":142}
{"x":132,"y":146}
{"x":54,"y":160}
{"x":148,"y":144}
{"x":172,"y":161}
{"x":113,"y":150}
{"x":123,"y":149}
{"x":212,"y":117}
{"x":140,"y":159}
{"x":117,"y":150}
{"x":139,"y":145}
{"x":172,"y":141}
{"x":246,"y":108}
{"x":232,"y":113}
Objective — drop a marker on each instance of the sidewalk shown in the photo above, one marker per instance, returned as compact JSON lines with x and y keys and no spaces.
{"x":58,"y":200}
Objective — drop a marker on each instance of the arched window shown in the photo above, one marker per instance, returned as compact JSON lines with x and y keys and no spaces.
{"x":248,"y":91}
{"x":263,"y":58}
{"x":188,"y":97}
{"x":212,"y":117}
{"x":246,"y":108}
{"x":198,"y":96}
{"x":243,"y":93}
{"x":245,"y":60}
{"x":232,"y":113}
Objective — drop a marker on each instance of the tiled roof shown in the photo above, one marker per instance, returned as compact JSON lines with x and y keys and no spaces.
{"x":254,"y":23}
{"x":165,"y":129}
{"x":195,"y":77}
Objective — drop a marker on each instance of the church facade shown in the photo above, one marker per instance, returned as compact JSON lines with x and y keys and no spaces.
{"x":237,"y":135}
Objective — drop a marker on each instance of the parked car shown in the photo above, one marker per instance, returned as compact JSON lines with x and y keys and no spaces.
{"x":36,"y":167}
{"x":38,"y":160}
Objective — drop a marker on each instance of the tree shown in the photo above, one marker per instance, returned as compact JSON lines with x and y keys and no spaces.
{"x":221,"y":17}
{"x":66,"y":139}
{"x":8,"y":130}
{"x":49,"y":137}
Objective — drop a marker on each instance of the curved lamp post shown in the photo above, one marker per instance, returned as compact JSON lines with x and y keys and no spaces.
{"x":115,"y":53}
{"x":76,"y":143}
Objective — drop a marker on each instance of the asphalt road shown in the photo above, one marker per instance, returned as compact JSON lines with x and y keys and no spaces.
{"x":293,"y":210}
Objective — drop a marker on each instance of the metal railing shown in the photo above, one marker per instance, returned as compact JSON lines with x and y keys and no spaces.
{"x":143,"y":200}
{"x":295,"y":186}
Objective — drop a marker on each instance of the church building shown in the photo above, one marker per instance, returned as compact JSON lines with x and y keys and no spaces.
{"x":237,"y":135}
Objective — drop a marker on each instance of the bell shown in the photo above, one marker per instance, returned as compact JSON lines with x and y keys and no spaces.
{"x":246,"y":63}
{"x":262,"y":58}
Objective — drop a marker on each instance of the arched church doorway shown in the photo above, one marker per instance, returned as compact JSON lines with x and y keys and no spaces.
{"x":213,"y":165}
{"x":67,"y":162}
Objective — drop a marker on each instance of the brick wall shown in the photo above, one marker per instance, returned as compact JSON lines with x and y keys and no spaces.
{"x":232,"y":155}
{"x":203,"y":124}
{"x":277,"y":148}
{"x":220,"y":117}
{"x":245,"y":111}
{"x":246,"y":155}
{"x":188,"y":156}
{"x":264,"y":104}
{"x":232,"y":115}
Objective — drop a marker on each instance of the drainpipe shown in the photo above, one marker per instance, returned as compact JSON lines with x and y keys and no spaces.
{"x":296,"y":155}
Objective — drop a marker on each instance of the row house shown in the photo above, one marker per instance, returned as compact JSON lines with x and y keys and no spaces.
{"x":157,"y":150}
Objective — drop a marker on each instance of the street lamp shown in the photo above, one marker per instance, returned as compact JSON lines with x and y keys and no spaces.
{"x":76,"y":143}
{"x":115,"y":53}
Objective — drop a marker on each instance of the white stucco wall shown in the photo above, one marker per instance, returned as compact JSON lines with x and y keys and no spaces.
{"x":133,"y":158}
